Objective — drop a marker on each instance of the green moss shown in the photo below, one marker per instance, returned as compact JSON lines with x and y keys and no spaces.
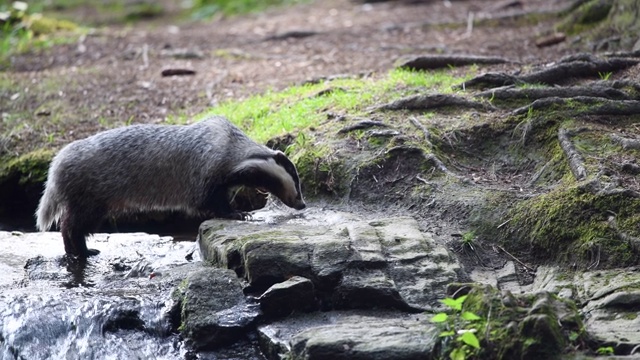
{"x":573,"y":224}
{"x":585,"y":17}
{"x":29,"y":168}
{"x":321,"y":172}
{"x":529,"y":326}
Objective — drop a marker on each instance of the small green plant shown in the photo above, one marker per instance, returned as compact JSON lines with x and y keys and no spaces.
{"x":21,"y":30}
{"x":468,"y":240}
{"x":604,"y":75}
{"x":605,"y":350}
{"x":458,"y":329}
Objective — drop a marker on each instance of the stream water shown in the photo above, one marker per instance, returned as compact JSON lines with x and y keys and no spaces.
{"x":113,"y":306}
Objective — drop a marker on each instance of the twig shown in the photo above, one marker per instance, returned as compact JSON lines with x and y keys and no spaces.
{"x":469,"y":24}
{"x":504,"y":223}
{"x":515,"y":258}
{"x":145,"y":56}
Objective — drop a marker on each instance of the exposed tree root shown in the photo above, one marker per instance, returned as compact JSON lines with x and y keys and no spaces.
{"x":427,"y":135}
{"x":626,"y":143}
{"x":488,"y":80}
{"x":577,"y":69}
{"x":295,"y":34}
{"x":361,"y":125}
{"x":585,"y":105}
{"x":427,"y":62}
{"x":426,"y":102}
{"x":511,"y":92}
{"x":576,"y":66}
{"x":576,"y":162}
{"x":430,"y":158}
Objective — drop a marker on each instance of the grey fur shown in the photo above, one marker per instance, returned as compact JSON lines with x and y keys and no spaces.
{"x":158,"y":167}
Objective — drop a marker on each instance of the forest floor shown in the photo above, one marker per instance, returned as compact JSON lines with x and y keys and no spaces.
{"x":113,"y":75}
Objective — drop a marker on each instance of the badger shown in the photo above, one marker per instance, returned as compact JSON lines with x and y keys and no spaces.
{"x":141,"y":168}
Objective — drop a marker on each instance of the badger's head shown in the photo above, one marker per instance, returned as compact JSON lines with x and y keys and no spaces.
{"x":275,"y":174}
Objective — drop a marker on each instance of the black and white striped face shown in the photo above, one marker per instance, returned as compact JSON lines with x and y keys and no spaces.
{"x":275,"y":174}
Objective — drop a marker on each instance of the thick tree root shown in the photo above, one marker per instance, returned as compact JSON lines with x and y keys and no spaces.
{"x":426,"y":102}
{"x":626,"y":143}
{"x":430,"y":158}
{"x":428,"y":62}
{"x":584,"y":105}
{"x":577,"y":69}
{"x":576,"y":162}
{"x":572,"y":67}
{"x":512,"y":93}
{"x":488,"y":80}
{"x":361,"y":125}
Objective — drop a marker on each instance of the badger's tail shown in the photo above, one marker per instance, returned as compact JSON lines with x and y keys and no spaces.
{"x":50,"y":208}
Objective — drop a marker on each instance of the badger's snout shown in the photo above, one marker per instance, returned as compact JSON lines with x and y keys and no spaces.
{"x":299,"y":205}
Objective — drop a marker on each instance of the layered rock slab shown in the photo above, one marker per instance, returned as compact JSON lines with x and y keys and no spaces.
{"x":384,"y":263}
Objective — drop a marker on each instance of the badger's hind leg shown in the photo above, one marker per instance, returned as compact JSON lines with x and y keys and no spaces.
{"x":76,"y":224}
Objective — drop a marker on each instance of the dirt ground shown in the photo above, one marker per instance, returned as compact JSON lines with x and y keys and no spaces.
{"x":114,"y":74}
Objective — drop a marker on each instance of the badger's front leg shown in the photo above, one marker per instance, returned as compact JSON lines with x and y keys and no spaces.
{"x":217,"y":202}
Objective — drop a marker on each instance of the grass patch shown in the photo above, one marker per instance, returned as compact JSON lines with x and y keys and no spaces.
{"x":206,"y":8}
{"x":305,"y":107}
{"x":22,"y":30}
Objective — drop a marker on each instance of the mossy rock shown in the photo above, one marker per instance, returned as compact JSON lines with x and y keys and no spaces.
{"x":29,"y":168}
{"x":22,"y":179}
{"x":41,"y":25}
{"x":527,"y":326}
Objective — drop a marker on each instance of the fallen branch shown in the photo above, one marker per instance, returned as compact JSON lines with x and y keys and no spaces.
{"x":426,"y":102}
{"x":294,"y":34}
{"x":515,"y":259}
{"x":576,"y":162}
{"x":428,"y":62}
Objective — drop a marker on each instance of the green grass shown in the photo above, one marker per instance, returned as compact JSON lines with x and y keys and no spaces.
{"x":206,"y":8}
{"x":26,"y":30}
{"x":300,"y":107}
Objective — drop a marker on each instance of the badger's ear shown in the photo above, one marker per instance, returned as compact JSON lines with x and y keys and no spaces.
{"x":282,"y":160}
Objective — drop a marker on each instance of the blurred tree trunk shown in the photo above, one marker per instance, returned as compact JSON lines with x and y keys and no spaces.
{"x":606,"y":24}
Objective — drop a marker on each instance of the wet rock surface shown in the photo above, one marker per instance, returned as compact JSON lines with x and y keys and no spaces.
{"x":314,"y":285}
{"x":213,"y":309}
{"x":384,"y":263}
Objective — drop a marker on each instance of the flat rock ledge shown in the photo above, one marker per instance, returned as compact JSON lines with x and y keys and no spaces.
{"x":386,"y":263}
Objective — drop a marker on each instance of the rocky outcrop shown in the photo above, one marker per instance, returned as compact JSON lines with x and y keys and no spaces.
{"x":386,"y":263}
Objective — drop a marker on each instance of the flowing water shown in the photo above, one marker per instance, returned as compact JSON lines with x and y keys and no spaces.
{"x":113,"y":306}
{"x":116,"y":305}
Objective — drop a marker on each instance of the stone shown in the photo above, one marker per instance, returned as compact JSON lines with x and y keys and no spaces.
{"x":294,"y":294}
{"x":385,"y":263}
{"x":214,"y":310}
{"x":350,"y":335}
